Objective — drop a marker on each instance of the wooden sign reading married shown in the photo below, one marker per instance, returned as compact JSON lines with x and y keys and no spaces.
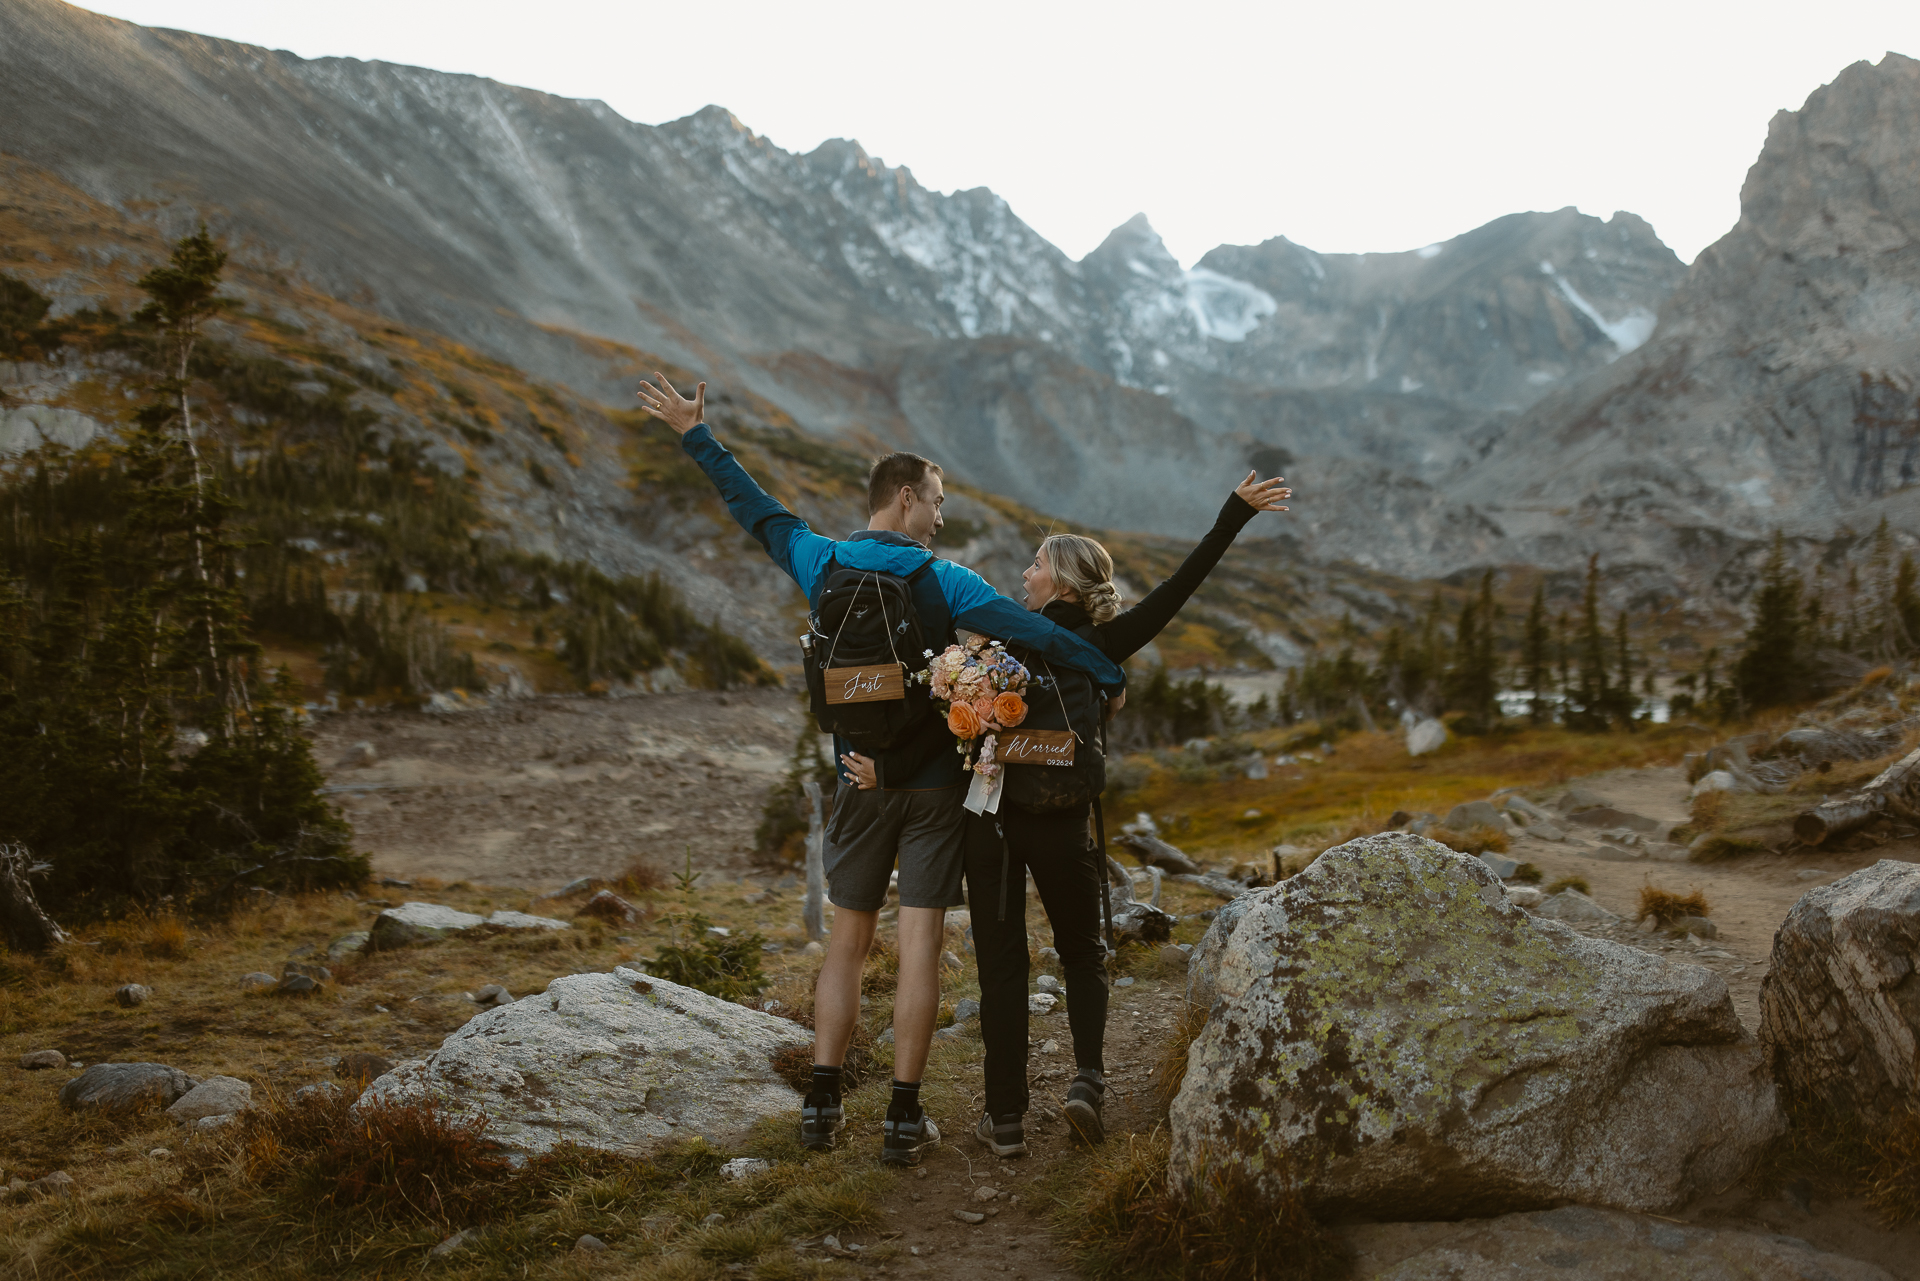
{"x":866,"y":684}
{"x":1037,"y":747}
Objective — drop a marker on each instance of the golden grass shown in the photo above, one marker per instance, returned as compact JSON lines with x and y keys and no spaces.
{"x":1570,"y":883}
{"x":1666,"y":907}
{"x":1478,"y":839}
{"x":1120,"y":1217}
{"x":1369,"y":776}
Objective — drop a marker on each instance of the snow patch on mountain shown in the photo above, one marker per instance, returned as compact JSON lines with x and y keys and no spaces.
{"x":1226,"y":308}
{"x":1626,"y":333}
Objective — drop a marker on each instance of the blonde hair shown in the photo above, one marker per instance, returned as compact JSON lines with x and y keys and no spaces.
{"x":1085,"y":566}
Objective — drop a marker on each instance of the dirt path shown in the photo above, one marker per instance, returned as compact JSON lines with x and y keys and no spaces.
{"x":1750,"y":896}
{"x":538,"y":792}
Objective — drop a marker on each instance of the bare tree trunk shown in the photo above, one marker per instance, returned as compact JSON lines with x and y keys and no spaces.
{"x":814,"y":914}
{"x":28,"y":927}
{"x":1885,"y":796}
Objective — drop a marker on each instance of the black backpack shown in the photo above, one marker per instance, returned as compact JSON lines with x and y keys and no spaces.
{"x":1060,"y":700}
{"x":863,"y":638}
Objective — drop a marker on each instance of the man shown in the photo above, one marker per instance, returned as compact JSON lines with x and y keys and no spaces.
{"x":914,"y":816}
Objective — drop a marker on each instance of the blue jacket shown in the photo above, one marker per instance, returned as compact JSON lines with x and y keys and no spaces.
{"x":971,"y":602}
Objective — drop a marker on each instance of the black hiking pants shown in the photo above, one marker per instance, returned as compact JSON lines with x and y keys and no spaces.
{"x":1001,"y":850}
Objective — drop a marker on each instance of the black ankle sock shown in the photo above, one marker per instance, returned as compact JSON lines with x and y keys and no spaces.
{"x":828,"y":1081}
{"x":906,"y":1101}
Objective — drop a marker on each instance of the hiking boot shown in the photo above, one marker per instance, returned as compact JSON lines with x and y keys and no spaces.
{"x":820,"y":1121}
{"x":902,"y":1138}
{"x":1006,"y":1137}
{"x":1082,"y":1107}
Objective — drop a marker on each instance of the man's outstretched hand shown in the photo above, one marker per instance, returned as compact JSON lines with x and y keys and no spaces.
{"x":671,"y":408}
{"x":1264,"y":495}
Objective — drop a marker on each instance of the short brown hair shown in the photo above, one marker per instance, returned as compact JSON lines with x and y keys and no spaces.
{"x":893,"y":471}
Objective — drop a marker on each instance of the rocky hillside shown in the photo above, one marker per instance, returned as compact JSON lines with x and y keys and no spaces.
{"x":1118,"y":390}
{"x":1778,"y":389}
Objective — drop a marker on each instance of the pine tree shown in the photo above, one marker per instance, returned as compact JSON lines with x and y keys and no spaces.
{"x":1537,"y":655}
{"x":1621,"y":702}
{"x":1592,"y":695}
{"x":1772,"y":668}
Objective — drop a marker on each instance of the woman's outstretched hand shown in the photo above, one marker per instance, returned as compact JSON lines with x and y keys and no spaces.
{"x":1262,"y":495}
{"x":671,"y":408}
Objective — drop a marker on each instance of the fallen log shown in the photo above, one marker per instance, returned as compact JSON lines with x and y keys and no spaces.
{"x":1153,"y":850}
{"x":1885,"y":797}
{"x":1225,"y":887}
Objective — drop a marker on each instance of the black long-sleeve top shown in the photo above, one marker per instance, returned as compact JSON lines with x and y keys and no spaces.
{"x":1131,"y":630}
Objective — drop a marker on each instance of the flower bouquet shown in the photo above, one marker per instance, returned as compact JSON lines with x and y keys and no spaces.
{"x":978,"y":684}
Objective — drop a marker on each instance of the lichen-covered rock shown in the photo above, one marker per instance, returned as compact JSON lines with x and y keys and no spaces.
{"x":1204,"y":966}
{"x":1840,"y":1006}
{"x":1389,"y":1027}
{"x":617,"y":1061}
{"x":125,"y":1088}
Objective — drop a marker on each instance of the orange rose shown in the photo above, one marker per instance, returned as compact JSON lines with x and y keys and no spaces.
{"x":1009,"y":709}
{"x":962,"y":721}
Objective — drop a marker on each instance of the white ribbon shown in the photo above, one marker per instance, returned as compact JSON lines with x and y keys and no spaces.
{"x":983,"y":794}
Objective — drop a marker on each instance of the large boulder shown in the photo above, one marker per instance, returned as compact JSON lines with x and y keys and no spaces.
{"x":1389,"y":1029}
{"x":1840,"y":1006}
{"x":618,"y":1061}
{"x":123,"y":1088}
{"x":1203,"y":967}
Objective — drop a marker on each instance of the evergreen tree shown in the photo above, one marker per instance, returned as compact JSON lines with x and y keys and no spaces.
{"x":1592,"y":694}
{"x":1621,"y":701}
{"x":1904,"y":605}
{"x":1537,"y":655}
{"x":1772,"y":667}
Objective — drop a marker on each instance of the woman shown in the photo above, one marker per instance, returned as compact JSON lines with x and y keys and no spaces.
{"x":1071,"y":583}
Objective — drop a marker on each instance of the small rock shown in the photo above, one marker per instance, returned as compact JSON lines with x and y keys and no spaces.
{"x":1499,"y":864}
{"x":589,"y":1244}
{"x":745,"y":1167}
{"x":1575,"y":799}
{"x":258,"y":981}
{"x":968,"y":1216}
{"x":1175,"y":956}
{"x":395,"y":883}
{"x":347,"y":945}
{"x":965,"y":1008}
{"x":885,"y":1038}
{"x":125,"y":1087}
{"x":361,"y":1066}
{"x":160,"y":1154}
{"x":297,"y":985}
{"x":359,"y":756}
{"x":1049,"y":984}
{"x":57,"y":1184}
{"x":1425,"y":736}
{"x":318,"y":1090}
{"x":1049,"y":956}
{"x":33,"y":1060}
{"x":948,"y":961}
{"x":714,"y":1218}
{"x":1811,"y":873}
{"x":1125,"y":982}
{"x":984,"y":1193}
{"x":1648,"y":924}
{"x":608,"y":906}
{"x":208,"y":1124}
{"x":1572,"y":905}
{"x":814,"y":948}
{"x":132,"y":994}
{"x":1473,"y":814}
{"x":1049,"y":1047}
{"x":454,"y":1244}
{"x":1697,"y":926}
{"x":719,"y":932}
{"x":318,"y":973}
{"x":215,"y":1096}
{"x":1040,"y":1003}
{"x":1718,"y":781}
{"x":491,"y":995}
{"x":1547,"y":831}
{"x":1525,"y":896}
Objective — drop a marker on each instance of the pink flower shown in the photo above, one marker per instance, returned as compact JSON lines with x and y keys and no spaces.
{"x":983,"y":708}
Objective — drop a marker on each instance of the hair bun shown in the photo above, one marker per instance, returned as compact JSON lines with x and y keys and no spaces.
{"x":1103,"y":601}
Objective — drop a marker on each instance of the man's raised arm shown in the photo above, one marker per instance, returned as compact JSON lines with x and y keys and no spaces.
{"x":796,"y":549}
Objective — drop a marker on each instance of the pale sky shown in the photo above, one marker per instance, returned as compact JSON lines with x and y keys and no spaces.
{"x":1345,"y":127}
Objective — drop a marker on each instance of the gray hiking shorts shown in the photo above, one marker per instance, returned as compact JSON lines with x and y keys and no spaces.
{"x":871,"y":830}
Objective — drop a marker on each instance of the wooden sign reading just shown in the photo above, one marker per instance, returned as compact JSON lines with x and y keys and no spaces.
{"x":866,"y":684}
{"x":1036,"y":747}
